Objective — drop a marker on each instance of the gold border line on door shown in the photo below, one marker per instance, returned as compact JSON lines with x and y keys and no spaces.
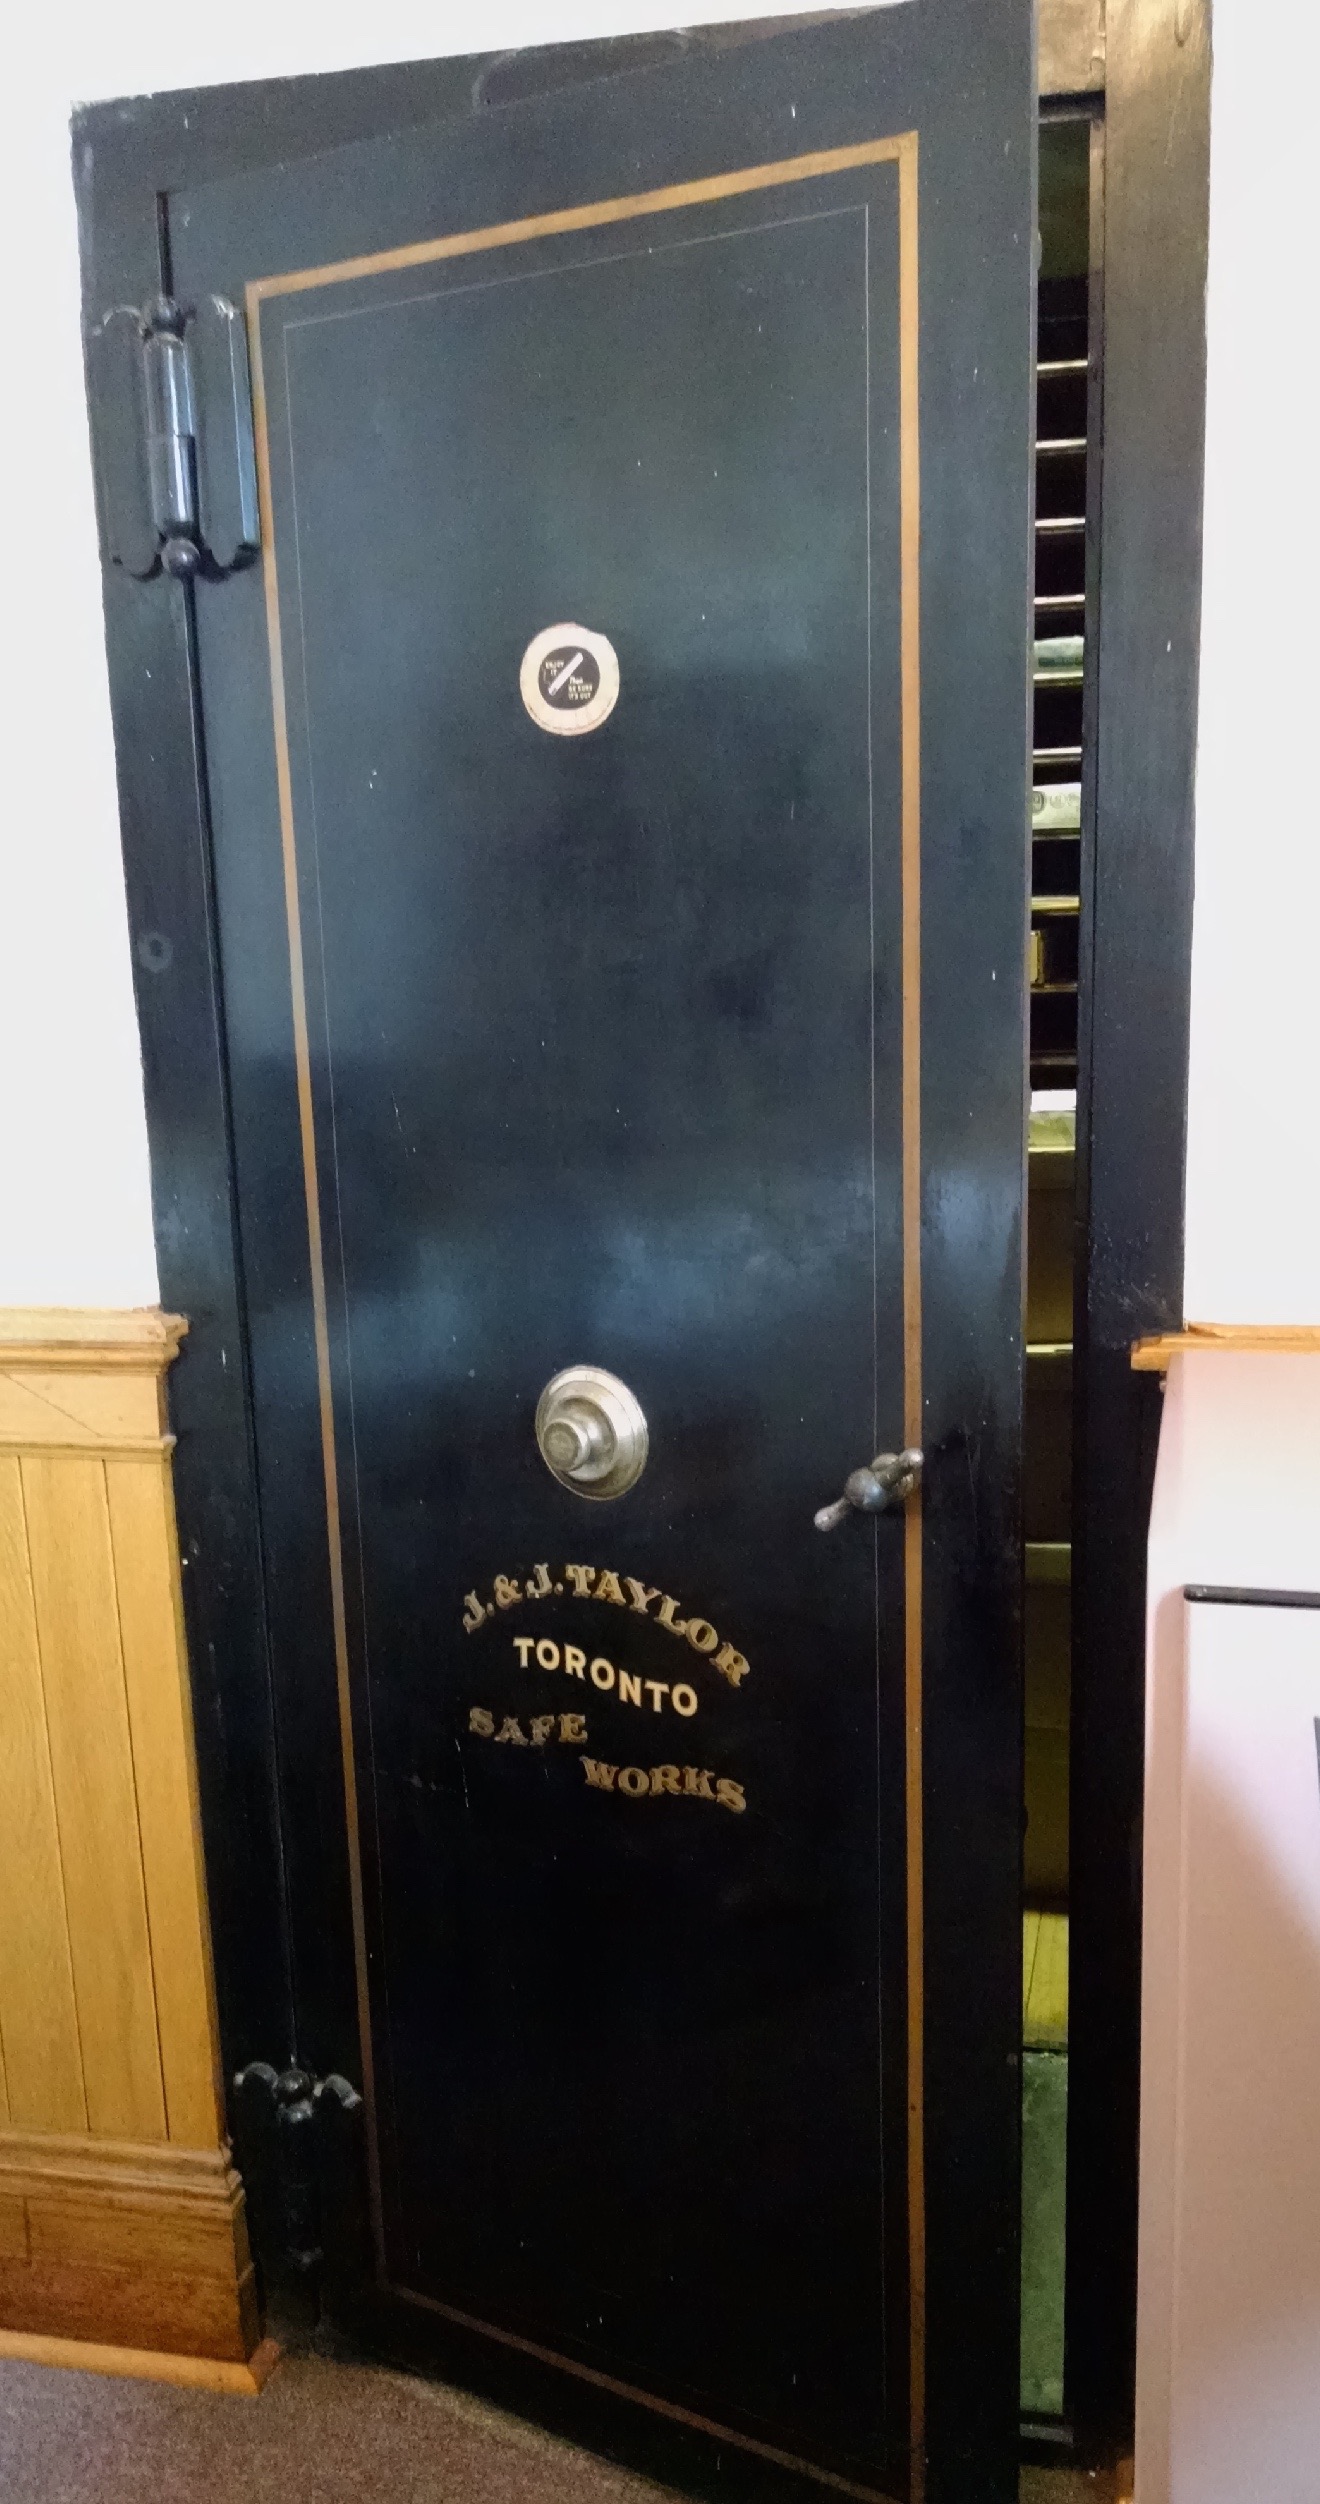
{"x":901,"y":150}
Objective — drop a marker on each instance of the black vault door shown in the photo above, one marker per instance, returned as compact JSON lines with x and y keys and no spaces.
{"x":605,"y":1050}
{"x":645,"y":475}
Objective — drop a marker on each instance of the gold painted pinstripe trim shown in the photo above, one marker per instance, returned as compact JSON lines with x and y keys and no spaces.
{"x":408,"y":256}
{"x":900,"y":149}
{"x":630,"y":2391}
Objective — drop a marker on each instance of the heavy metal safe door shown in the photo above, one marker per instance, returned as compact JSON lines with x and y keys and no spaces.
{"x":601,"y":1021}
{"x":619,"y":816}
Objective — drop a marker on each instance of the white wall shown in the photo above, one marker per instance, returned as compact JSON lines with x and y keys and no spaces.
{"x":75,"y":1220}
{"x":1237,"y":1504}
{"x":1253,"y":1200}
{"x":75,"y":1217}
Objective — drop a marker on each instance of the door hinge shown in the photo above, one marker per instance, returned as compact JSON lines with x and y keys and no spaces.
{"x":176,"y":469}
{"x":291,"y":2132}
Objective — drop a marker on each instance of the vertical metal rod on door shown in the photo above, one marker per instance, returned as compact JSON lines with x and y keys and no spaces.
{"x":913,"y":1423}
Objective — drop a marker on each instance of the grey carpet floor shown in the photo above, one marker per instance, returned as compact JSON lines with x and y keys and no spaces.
{"x":322,"y":2432}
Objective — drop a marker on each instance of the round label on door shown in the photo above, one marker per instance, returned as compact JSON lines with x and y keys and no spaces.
{"x":569,"y":680}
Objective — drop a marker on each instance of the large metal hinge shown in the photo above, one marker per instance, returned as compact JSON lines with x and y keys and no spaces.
{"x":176,"y":466}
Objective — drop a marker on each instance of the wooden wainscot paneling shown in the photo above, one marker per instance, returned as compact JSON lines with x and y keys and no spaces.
{"x":121,"y":2218}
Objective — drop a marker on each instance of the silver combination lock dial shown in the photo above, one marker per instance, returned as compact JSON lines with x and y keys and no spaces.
{"x":591,"y":1432}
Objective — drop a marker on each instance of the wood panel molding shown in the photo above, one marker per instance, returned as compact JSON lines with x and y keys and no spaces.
{"x":1152,"y":1355}
{"x":187,"y":2373}
{"x":125,"y":2245}
{"x":121,"y":2219}
{"x":93,"y":1381}
{"x":90,"y":1335}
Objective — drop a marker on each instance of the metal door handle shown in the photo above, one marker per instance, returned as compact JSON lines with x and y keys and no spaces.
{"x":891,"y":1476}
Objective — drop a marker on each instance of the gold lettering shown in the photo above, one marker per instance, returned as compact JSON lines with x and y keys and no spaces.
{"x":481,"y":1721}
{"x":592,"y":1582}
{"x":540,"y":1727}
{"x":572,"y":1728}
{"x":662,"y":1782}
{"x":511,"y":1730}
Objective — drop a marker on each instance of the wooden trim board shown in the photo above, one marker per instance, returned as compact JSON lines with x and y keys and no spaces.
{"x":117,"y":2243}
{"x":1152,"y":1355}
{"x":92,"y":1381}
{"x":90,"y":1335}
{"x":126,"y":2244}
{"x":188,"y":2373}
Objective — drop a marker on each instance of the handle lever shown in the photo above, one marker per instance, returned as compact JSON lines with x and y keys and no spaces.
{"x":891,"y":1477}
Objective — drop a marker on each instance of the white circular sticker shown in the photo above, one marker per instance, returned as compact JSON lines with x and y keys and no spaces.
{"x":569,"y":680}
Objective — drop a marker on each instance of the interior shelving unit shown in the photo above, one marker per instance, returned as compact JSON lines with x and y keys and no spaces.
{"x":1062,"y":381}
{"x":1063,"y":408}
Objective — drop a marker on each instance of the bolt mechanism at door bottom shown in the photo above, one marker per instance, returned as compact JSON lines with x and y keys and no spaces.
{"x":890,"y":1477}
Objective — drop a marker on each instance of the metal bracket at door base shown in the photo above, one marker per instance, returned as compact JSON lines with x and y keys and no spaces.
{"x":176,"y":471}
{"x":283,"y":2120}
